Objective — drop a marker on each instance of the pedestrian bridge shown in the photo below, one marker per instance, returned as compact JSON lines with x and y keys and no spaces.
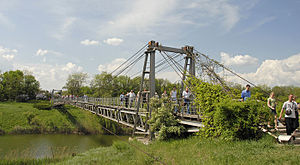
{"x":114,"y":110}
{"x":185,"y":62}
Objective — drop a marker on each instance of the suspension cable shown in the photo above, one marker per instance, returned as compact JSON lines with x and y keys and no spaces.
{"x":129,"y":59}
{"x":132,"y":63}
{"x":229,"y":70}
{"x":167,"y":66}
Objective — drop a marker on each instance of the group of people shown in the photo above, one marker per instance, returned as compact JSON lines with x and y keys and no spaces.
{"x":289,"y":109}
{"x":128,"y":99}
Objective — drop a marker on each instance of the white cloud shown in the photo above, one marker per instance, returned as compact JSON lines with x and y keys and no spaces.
{"x":71,"y":67}
{"x":41,"y":52}
{"x":139,"y":16}
{"x":274,"y":72}
{"x":50,"y":76}
{"x":7,"y":53}
{"x":109,"y":67}
{"x":238,"y":60}
{"x":89,"y":42}
{"x":8,"y":57}
{"x":113,"y":41}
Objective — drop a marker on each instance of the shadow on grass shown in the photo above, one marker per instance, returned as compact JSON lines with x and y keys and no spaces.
{"x":64,"y":111}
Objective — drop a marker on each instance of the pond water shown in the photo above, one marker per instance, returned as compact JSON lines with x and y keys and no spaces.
{"x":52,"y":146}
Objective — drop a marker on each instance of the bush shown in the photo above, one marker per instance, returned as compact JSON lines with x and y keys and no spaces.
{"x":2,"y":132}
{"x":223,"y":117}
{"x":42,"y":106}
{"x":22,"y":98}
{"x":238,"y":120}
{"x":163,"y":123}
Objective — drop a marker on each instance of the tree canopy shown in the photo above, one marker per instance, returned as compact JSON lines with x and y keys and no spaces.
{"x":16,"y":83}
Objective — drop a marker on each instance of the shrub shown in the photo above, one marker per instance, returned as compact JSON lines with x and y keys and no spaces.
{"x":224,"y":117}
{"x":22,"y":98}
{"x":238,"y":120}
{"x":2,"y":132}
{"x":42,"y":106}
{"x":163,"y":123}
{"x":25,"y":130}
{"x":121,"y":146}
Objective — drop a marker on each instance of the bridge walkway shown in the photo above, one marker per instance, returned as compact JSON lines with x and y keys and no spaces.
{"x":113,"y":109}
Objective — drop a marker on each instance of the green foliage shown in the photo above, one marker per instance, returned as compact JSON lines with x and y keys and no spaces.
{"x":19,"y":118}
{"x":15,"y":84}
{"x":224,"y":117}
{"x":75,"y":83}
{"x":163,"y":123}
{"x":107,"y":85}
{"x":238,"y":120}
{"x":207,"y":96}
{"x":42,"y":106}
{"x":31,"y":86}
{"x":193,"y":151}
{"x":29,"y":161}
{"x":121,"y":146}
{"x":2,"y":132}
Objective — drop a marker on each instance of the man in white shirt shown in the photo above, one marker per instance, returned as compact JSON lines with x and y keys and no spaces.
{"x":131,"y":98}
{"x":290,"y":108}
{"x":186,"y":97}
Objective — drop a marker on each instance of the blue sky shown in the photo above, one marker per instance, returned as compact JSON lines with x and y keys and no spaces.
{"x":258,"y":39}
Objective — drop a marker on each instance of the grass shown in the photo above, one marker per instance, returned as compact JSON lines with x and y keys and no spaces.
{"x":20,"y":118}
{"x":193,"y":150}
{"x":29,"y":161}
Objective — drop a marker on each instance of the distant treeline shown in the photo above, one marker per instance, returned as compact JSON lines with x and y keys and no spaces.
{"x":17,"y":85}
{"x":107,"y":85}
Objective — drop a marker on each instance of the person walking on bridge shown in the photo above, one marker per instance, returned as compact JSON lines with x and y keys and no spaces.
{"x":164,"y":95}
{"x":122,"y":99}
{"x":246,"y":94}
{"x":131,"y":98}
{"x":186,"y":97}
{"x":272,"y":105}
{"x":173,"y":95}
{"x":290,"y":108}
{"x":126,"y":99}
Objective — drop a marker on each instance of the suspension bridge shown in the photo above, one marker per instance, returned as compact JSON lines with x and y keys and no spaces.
{"x":185,"y":61}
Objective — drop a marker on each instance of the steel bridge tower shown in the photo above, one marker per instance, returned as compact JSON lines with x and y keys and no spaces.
{"x":188,"y":68}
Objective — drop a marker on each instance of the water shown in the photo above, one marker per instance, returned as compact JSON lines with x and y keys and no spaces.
{"x":57,"y":146}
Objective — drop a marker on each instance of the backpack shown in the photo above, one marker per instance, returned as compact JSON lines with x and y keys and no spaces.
{"x":289,"y":111}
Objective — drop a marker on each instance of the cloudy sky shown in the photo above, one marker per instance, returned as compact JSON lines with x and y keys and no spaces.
{"x":259,"y":39}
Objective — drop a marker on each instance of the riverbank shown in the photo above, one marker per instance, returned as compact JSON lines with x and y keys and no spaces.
{"x":193,"y":150}
{"x":23,"y":118}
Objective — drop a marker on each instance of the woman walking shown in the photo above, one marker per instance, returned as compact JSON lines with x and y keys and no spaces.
{"x":272,"y":105}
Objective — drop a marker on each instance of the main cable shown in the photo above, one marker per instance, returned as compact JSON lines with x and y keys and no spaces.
{"x":129,"y":59}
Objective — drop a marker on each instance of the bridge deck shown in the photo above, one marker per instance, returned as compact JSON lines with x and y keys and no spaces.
{"x":127,"y":115}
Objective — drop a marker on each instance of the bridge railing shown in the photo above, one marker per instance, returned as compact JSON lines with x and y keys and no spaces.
{"x":179,"y":107}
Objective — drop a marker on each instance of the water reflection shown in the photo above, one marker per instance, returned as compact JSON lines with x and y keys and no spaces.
{"x":41,"y":146}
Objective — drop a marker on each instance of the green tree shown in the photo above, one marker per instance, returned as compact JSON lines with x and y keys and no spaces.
{"x":102,"y":85}
{"x":75,"y":82}
{"x":31,"y":86}
{"x":13,"y":84}
{"x":1,"y":88}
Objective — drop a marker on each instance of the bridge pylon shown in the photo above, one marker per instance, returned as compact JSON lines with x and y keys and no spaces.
{"x":189,"y":68}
